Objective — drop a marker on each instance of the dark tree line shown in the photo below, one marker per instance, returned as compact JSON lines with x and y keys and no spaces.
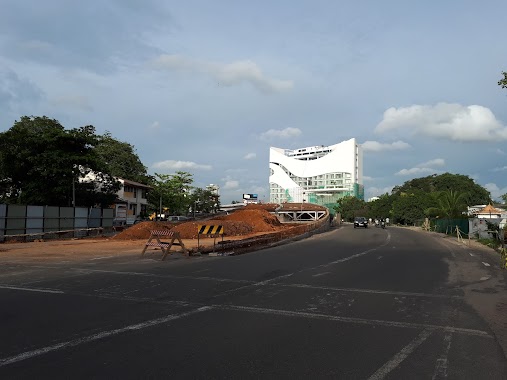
{"x":443,"y":196}
{"x":42,"y":163}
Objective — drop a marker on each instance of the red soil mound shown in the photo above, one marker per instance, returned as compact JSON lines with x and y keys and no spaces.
{"x":241,"y":222}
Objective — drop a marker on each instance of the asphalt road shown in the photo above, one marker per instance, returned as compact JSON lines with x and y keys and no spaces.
{"x":346,"y":304}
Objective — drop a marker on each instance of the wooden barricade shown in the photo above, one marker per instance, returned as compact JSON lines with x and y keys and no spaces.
{"x":211,"y":231}
{"x":164,"y":245}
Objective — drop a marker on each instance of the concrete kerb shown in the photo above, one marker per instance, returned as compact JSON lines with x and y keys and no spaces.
{"x":256,"y":244}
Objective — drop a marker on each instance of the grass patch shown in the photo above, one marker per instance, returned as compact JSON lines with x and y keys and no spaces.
{"x":492,"y":243}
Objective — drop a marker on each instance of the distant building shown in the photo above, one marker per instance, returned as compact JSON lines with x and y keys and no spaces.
{"x":316,"y":174}
{"x":132,"y":201}
{"x":215,"y":189}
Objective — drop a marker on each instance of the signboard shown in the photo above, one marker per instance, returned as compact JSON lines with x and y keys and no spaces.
{"x":250,"y":198}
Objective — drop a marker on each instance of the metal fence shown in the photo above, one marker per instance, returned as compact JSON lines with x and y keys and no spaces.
{"x":28,"y":223}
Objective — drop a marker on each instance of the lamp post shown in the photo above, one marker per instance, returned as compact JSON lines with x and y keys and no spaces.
{"x":195,"y":205}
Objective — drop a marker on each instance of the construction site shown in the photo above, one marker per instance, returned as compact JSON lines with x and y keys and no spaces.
{"x":243,"y":230}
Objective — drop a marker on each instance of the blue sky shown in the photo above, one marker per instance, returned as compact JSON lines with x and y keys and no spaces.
{"x":208,"y":86}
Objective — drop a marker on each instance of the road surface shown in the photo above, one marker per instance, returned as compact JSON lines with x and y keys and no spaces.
{"x":345,"y":304}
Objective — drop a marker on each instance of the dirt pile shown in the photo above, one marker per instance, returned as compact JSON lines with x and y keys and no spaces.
{"x":260,"y":219}
{"x":142,"y":230}
{"x":241,"y":222}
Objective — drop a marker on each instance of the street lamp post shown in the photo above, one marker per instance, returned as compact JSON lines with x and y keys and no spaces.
{"x":195,"y":205}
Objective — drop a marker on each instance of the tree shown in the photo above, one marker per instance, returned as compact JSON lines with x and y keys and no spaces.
{"x":503,"y":82}
{"x":451,"y":205}
{"x":350,"y":207}
{"x":408,"y":208}
{"x":445,"y":182}
{"x":121,"y":159}
{"x":41,"y":163}
{"x":204,"y":200}
{"x":381,"y":207}
{"x":173,"y":191}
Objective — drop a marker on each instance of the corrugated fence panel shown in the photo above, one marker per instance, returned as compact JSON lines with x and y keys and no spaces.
{"x":107,"y":217}
{"x":94,"y":217}
{"x":51,"y":218}
{"x":3,"y":214}
{"x":80,"y":221}
{"x":34,"y":221}
{"x":66,"y":218}
{"x":16,"y":216}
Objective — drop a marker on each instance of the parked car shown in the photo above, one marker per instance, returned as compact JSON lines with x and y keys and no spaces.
{"x":360,"y":221}
{"x":177,"y":218}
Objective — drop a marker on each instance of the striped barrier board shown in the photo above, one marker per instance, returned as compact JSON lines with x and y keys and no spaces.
{"x":163,"y":245}
{"x":211,"y":230}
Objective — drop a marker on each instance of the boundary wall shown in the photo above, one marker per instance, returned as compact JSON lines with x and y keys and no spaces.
{"x":28,"y":223}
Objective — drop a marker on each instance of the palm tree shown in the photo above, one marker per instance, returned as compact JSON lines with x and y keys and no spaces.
{"x":451,"y":204}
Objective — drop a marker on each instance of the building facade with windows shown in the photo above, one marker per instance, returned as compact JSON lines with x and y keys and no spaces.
{"x":132,"y":202}
{"x":317,"y":174}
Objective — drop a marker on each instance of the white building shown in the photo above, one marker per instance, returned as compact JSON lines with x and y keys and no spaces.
{"x":317,"y":174}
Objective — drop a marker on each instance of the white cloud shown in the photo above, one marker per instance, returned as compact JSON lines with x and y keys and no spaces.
{"x":280,"y":133}
{"x":230,"y":184}
{"x":229,"y":74}
{"x":367,"y":178}
{"x":495,"y":191}
{"x":499,"y":169}
{"x":423,"y":168}
{"x":155,"y":126}
{"x":414,"y":171}
{"x":179,"y":165}
{"x":375,"y":146}
{"x":500,"y":152}
{"x":431,"y":163}
{"x":445,"y":121}
{"x":250,"y":156}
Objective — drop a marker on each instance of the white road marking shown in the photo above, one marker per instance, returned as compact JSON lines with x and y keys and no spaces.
{"x":372,"y":291}
{"x":39,"y":290}
{"x":388,"y":239}
{"x":362,"y":321}
{"x":396,"y":360}
{"x":485,"y":278}
{"x":320,"y":274}
{"x":471,"y":254}
{"x":485,"y":264}
{"x":90,"y":338}
{"x":441,"y":364}
{"x":357,"y":254}
{"x":142,"y":274}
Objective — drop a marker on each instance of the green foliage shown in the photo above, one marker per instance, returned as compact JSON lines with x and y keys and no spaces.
{"x":449,"y":204}
{"x":121,"y":159}
{"x":40,"y":161}
{"x":176,"y":193}
{"x":409,"y":208}
{"x":351,"y":207}
{"x":445,"y":182}
{"x":173,"y":190}
{"x":381,"y":208}
{"x":204,"y":200}
{"x":503,"y":82}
